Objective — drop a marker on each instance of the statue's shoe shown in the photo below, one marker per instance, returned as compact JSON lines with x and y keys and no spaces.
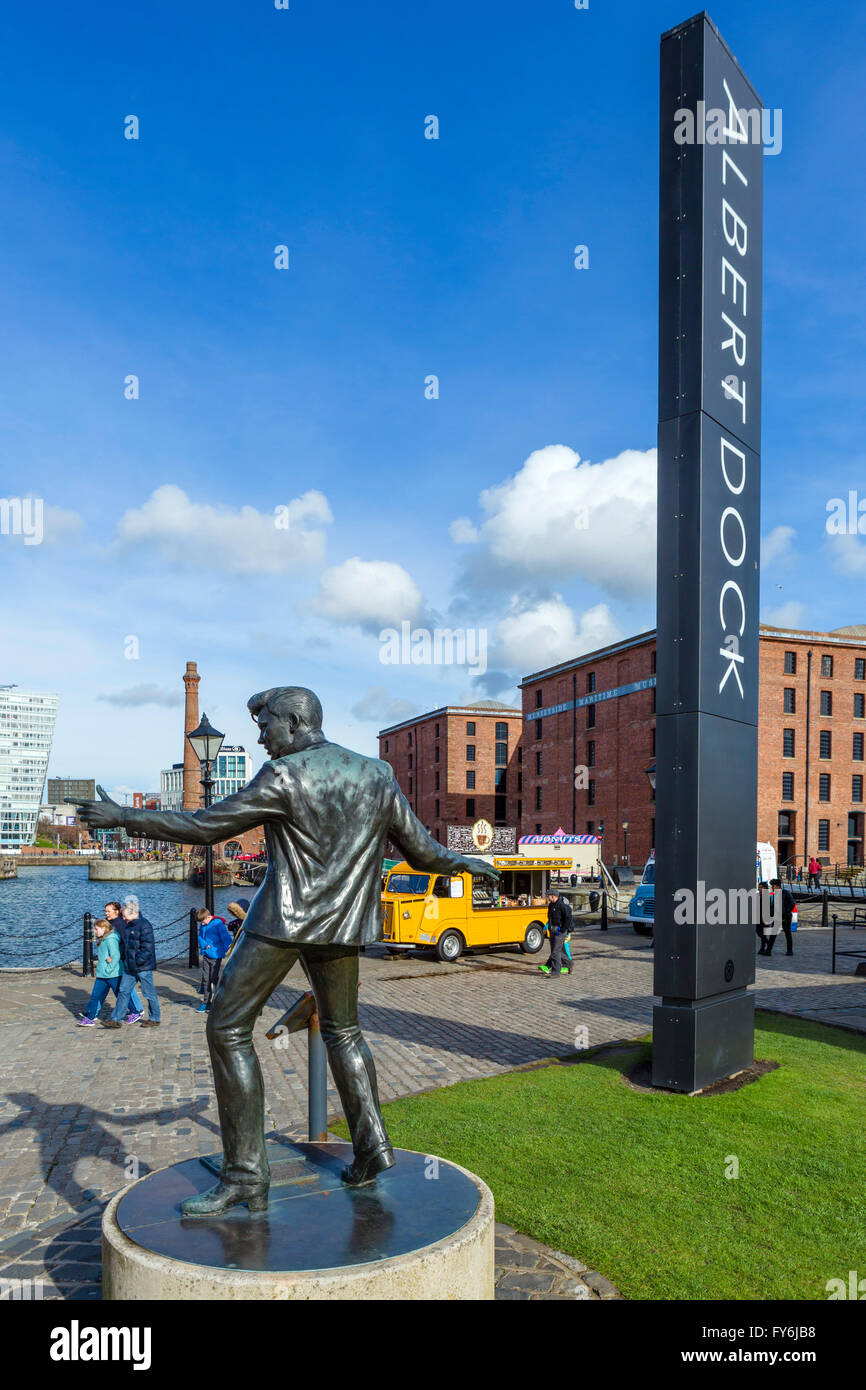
{"x":365,"y":1167}
{"x":224,"y":1195}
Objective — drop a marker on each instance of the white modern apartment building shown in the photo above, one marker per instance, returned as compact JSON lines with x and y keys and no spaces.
{"x":27,"y":719}
{"x":231,"y":771}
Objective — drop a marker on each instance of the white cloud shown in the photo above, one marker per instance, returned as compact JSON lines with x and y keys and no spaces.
{"x":559,"y":517}
{"x":776,"y":545}
{"x":240,"y":541}
{"x":144,"y":694}
{"x":372,"y":593}
{"x":791,"y":614}
{"x":541,"y":633}
{"x":378,"y":705}
{"x":848,"y":556}
{"x":462,"y":531}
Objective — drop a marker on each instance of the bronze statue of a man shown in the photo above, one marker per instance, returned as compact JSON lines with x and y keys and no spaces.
{"x":327,"y":814}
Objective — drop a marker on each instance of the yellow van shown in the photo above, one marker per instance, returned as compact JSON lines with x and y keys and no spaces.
{"x":455,"y":913}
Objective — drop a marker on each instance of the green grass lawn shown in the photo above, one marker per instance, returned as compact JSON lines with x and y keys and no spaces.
{"x":634,"y":1184}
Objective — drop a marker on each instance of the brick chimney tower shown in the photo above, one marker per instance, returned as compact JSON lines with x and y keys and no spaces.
{"x":192,"y":794}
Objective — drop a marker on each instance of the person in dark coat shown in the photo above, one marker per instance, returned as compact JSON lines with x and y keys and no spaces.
{"x":328,"y":814}
{"x":560,"y":920}
{"x":139,"y":963}
{"x":788,"y":905}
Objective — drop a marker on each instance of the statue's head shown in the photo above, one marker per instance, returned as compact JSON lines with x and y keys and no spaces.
{"x":289,"y":719}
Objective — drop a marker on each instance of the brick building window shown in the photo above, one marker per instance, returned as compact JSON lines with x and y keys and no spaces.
{"x":501,"y":754}
{"x":826,"y":702}
{"x":539,"y":728}
{"x":653,"y":740}
{"x":590,"y":682}
{"x":825,"y":744}
{"x":857,"y":749}
{"x":500,"y":781}
{"x":538,"y":762}
{"x":519,"y":754}
{"x":470,"y":730}
{"x":470,"y":752}
{"x":538,"y":805}
{"x":537,"y":828}
{"x":386,"y":745}
{"x":409,"y":736}
{"x":436,"y":783}
{"x":824,"y":787}
{"x":785,"y":829}
{"x":860,"y":668}
{"x":823,"y":837}
{"x":436,"y":753}
{"x":857,"y":787}
{"x":590,"y":792}
{"x":787,"y":786}
{"x":653,"y":693}
{"x":590,"y":827}
{"x":790,"y":663}
{"x":410,"y":759}
{"x":470,"y":807}
{"x":790,"y":700}
{"x":499,"y":810}
{"x":653,"y":662}
{"x":788,"y":743}
{"x":470,"y":781}
{"x":502,"y":730}
{"x":826,"y":666}
{"x":436,"y":734}
{"x":859,"y":706}
{"x":437,"y":809}
{"x":590,"y":716}
{"x":590,"y":753}
{"x":538,"y":699}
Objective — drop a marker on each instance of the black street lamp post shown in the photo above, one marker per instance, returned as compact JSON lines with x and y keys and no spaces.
{"x":206,"y":742}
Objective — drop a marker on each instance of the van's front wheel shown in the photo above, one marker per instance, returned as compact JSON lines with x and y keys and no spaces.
{"x":449,"y":946}
{"x":533,"y":940}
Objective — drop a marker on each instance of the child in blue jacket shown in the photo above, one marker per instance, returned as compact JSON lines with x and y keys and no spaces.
{"x":214,"y":939}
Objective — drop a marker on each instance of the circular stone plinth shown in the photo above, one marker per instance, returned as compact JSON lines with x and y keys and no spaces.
{"x":423,"y":1230}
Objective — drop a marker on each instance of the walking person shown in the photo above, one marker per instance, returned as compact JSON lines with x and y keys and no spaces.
{"x":787,"y":917}
{"x":560,"y":921}
{"x":113,"y":913}
{"x":107,"y":975}
{"x":214,"y":939}
{"x":814,"y":873}
{"x":139,"y":963}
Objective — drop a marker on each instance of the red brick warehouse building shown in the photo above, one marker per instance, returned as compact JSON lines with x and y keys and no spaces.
{"x":458,"y":764}
{"x":598,"y":713}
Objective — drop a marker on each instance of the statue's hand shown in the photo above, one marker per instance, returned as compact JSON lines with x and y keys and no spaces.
{"x":479,"y":868}
{"x":103,"y":814}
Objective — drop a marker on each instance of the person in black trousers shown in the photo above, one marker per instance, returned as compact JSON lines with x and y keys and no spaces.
{"x":788,"y":904}
{"x":560,"y":921}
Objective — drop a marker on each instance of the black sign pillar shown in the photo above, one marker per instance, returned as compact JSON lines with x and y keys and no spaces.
{"x":708,"y":552}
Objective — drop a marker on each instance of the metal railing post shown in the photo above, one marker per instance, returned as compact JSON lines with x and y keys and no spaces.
{"x":193,"y":939}
{"x":87,"y":946}
{"x":825,"y":908}
{"x":833,"y":971}
{"x":604,"y":908}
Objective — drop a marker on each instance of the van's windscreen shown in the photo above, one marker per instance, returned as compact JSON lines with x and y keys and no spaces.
{"x":408,"y":883}
{"x":649,"y":873}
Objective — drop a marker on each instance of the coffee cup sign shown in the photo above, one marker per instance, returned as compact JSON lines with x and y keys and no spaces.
{"x":482,"y":835}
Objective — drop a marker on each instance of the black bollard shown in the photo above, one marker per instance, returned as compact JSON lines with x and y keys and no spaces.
{"x":193,"y":939}
{"x":825,"y":908}
{"x":604,"y":910}
{"x":87,"y":946}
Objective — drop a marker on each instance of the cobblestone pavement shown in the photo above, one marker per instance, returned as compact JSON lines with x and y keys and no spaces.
{"x":84,"y":1111}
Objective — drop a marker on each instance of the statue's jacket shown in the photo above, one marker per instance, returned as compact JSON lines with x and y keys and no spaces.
{"x":327,"y":814}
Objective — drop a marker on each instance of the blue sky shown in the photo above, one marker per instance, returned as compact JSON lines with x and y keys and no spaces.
{"x":408,"y":257}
